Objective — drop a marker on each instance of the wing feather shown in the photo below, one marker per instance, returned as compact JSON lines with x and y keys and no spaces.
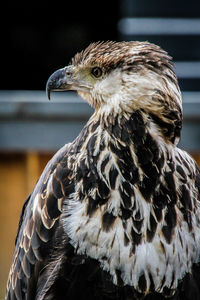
{"x":38,"y":223}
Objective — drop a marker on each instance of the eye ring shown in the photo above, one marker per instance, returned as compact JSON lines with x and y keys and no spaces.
{"x":96,"y":72}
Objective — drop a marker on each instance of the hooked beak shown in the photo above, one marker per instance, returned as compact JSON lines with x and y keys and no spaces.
{"x":60,"y":80}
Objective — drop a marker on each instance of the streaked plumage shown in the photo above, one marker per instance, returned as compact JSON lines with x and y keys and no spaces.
{"x":115,"y":214}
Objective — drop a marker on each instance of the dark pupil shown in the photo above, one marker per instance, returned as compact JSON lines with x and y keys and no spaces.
{"x":96,"y":72}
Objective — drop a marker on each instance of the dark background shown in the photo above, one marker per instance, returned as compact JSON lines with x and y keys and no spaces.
{"x":37,"y":38}
{"x":40,"y":38}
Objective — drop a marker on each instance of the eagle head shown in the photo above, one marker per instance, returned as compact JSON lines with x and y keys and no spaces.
{"x":122,"y":77}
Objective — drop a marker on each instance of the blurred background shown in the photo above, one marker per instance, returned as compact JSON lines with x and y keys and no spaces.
{"x":39,"y":38}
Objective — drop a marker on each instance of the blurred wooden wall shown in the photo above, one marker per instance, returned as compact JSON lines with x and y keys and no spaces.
{"x":18,"y":175}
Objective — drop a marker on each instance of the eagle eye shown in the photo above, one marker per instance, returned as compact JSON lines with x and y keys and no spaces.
{"x":96,"y":72}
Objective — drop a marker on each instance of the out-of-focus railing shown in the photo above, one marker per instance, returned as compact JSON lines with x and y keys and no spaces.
{"x":29,"y":122}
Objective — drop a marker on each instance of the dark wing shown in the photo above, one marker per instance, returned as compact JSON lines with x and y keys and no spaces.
{"x":39,"y":231}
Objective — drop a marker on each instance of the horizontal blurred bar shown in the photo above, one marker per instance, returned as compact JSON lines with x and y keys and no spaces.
{"x":35,"y":104}
{"x":188,"y":69}
{"x":159,"y":26}
{"x":29,"y":122}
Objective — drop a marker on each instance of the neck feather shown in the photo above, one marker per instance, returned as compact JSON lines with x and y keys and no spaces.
{"x":135,"y":143}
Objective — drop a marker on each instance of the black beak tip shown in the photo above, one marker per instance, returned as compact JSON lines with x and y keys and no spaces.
{"x":49,"y":88}
{"x":48,"y":92}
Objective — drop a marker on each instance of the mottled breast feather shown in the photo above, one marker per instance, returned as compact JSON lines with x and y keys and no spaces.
{"x":133,"y":197}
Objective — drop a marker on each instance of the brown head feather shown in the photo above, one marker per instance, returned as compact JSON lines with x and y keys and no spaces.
{"x":110,"y":55}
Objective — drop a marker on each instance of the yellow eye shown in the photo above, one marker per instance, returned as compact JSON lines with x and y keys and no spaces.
{"x":96,"y":72}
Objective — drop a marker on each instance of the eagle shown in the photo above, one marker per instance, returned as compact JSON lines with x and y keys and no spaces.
{"x":115,"y":213}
